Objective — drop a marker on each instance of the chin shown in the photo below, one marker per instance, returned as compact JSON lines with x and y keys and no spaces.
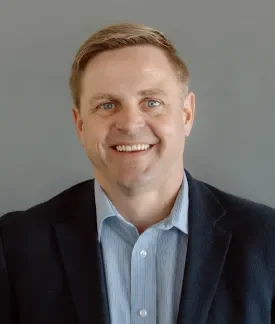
{"x":133,"y":182}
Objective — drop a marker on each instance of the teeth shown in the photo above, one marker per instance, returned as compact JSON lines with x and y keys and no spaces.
{"x":132,"y":148}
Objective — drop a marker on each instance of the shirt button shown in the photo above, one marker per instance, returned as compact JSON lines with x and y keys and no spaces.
{"x":143,"y":253}
{"x":143,"y":313}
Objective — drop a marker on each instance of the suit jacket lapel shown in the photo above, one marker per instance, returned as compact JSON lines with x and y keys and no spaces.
{"x":82,"y":258}
{"x":208,"y":244}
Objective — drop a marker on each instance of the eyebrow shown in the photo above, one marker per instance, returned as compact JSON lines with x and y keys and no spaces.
{"x":142,"y":93}
{"x":152,"y":92}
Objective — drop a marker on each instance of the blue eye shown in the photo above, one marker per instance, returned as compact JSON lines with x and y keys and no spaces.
{"x":107,"y":106}
{"x":153,"y":103}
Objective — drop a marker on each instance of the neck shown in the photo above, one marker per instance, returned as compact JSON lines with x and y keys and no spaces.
{"x":145,"y":207}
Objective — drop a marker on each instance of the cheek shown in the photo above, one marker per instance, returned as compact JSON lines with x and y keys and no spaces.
{"x":94,"y":135}
{"x":90,"y":137}
{"x":171,"y":134}
{"x":169,"y":127}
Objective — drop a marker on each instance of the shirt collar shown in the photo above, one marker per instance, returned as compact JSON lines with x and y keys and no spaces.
{"x":178,"y":217}
{"x":104,"y":207}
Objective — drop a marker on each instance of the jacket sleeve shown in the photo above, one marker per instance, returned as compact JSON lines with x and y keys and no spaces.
{"x":5,"y":290}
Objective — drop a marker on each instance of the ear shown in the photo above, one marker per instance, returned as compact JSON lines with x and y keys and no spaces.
{"x":78,"y":124}
{"x":188,"y":112}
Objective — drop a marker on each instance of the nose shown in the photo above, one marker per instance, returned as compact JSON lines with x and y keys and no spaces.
{"x":129,"y":119}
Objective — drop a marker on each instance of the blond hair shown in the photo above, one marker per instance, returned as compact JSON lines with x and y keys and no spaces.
{"x":118,"y":36}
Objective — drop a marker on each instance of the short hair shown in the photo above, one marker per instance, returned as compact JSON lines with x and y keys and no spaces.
{"x":118,"y":36}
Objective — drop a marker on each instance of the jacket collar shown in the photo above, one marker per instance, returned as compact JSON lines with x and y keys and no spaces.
{"x":82,"y":258}
{"x":208,"y":244}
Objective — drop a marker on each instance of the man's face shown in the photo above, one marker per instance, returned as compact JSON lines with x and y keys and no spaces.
{"x":131,"y":100}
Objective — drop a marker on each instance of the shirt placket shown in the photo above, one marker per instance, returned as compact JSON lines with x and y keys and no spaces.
{"x":143,"y":279}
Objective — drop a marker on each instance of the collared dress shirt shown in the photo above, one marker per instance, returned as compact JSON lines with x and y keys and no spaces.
{"x":144,"y":272}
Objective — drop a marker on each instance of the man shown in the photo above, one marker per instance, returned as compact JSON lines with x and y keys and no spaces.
{"x":144,"y":242}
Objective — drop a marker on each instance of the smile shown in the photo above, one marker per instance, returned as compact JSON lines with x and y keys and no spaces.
{"x":132,"y":148}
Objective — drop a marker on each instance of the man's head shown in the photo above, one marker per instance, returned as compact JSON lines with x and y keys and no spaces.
{"x":132,"y":108}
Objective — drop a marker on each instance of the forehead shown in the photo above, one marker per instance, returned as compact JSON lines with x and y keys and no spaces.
{"x":132,"y":67}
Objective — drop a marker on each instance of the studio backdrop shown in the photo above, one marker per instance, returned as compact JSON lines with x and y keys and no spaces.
{"x":229,"y":47}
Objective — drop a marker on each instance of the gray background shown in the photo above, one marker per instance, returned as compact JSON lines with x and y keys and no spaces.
{"x":229,"y":47}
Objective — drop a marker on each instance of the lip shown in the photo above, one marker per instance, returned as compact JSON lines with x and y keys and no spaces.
{"x":131,"y":144}
{"x":129,"y":154}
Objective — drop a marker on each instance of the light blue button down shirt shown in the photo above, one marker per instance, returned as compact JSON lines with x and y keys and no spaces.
{"x":144,"y":273}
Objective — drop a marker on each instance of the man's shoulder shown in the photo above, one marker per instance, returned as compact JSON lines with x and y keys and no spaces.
{"x":49,"y":211}
{"x":239,"y":208}
{"x":235,"y":204}
{"x":251,"y":223}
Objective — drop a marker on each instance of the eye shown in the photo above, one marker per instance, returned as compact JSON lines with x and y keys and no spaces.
{"x":107,"y":106}
{"x":153,"y":103}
